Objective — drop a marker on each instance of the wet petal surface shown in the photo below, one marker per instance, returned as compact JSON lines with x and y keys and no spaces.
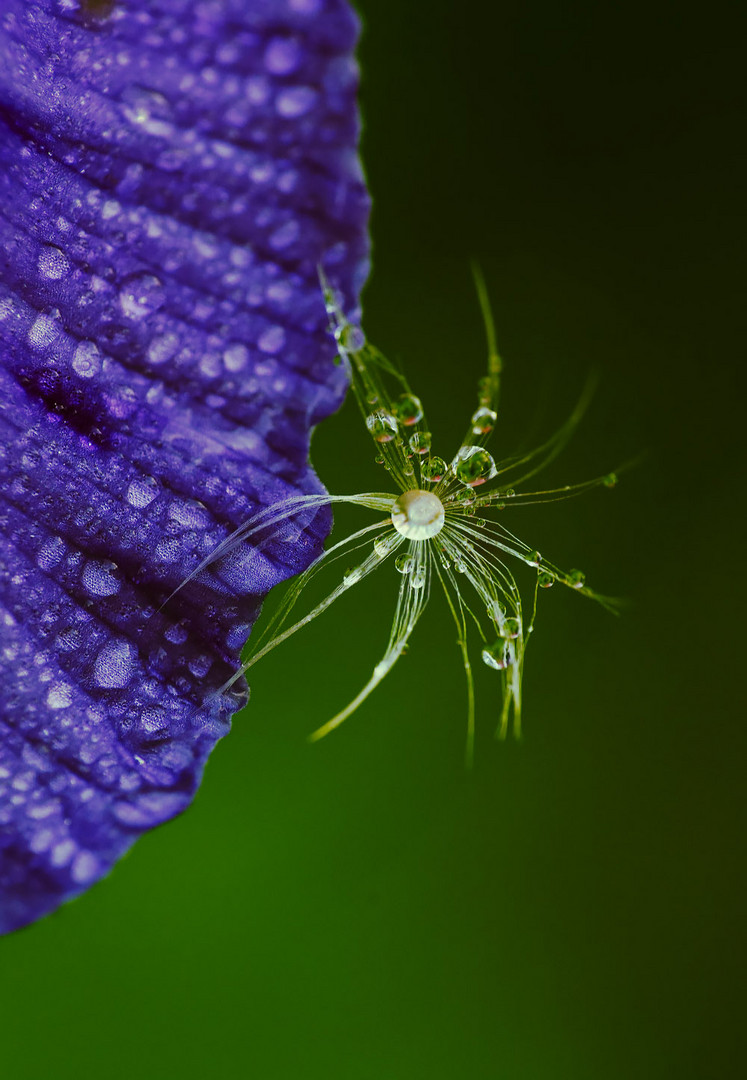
{"x":170,"y":176}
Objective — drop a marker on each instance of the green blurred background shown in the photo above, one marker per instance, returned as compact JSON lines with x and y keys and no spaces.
{"x":365,"y":909}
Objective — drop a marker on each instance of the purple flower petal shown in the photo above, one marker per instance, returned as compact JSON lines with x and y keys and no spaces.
{"x":171,"y":173}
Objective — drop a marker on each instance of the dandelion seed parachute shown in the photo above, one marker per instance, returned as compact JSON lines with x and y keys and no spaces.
{"x":440,"y":518}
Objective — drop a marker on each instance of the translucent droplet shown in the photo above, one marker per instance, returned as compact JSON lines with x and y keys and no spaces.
{"x":162,"y":348}
{"x":417,"y":581}
{"x":113,"y":666}
{"x":350,"y":337}
{"x":43,"y":332}
{"x":53,"y":263}
{"x":408,"y":409}
{"x":86,"y":359}
{"x":382,"y":426}
{"x":420,"y":442}
{"x":496,"y":655}
{"x":509,"y":493}
{"x":576,"y":579}
{"x":383,"y":545}
{"x":142,"y":492}
{"x":99,"y":578}
{"x":545,"y":580}
{"x":483,"y":420}
{"x":610,"y":480}
{"x":534,"y":558}
{"x":511,"y":628}
{"x":433,"y":469}
{"x":405,"y":564}
{"x":474,"y":466}
{"x":271,"y":340}
{"x":60,"y":696}
{"x":141,"y":295}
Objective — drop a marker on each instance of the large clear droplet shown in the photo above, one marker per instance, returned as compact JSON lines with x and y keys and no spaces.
{"x":418,"y":515}
{"x":409,"y":409}
{"x":474,"y":466}
{"x":382,"y":425}
{"x":545,"y":580}
{"x":405,"y":564}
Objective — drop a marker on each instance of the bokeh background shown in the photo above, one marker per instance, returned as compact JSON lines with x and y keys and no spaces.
{"x":365,"y":909}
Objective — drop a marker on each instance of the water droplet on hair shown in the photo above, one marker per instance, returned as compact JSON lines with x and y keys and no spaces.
{"x":408,"y":409}
{"x":576,"y":579}
{"x":610,"y":480}
{"x":351,"y":338}
{"x":420,"y":442}
{"x":511,"y":628}
{"x":382,"y":425}
{"x":483,"y":420}
{"x":533,"y":558}
{"x":545,"y":580}
{"x":417,"y":581}
{"x":351,"y":575}
{"x":496,"y":655}
{"x":433,"y":470}
{"x":405,"y":564}
{"x":474,"y":466}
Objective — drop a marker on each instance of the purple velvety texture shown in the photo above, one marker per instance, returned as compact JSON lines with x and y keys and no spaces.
{"x":171,"y":174}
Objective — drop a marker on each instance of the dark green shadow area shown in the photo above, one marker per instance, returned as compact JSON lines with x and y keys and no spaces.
{"x":571,"y":909}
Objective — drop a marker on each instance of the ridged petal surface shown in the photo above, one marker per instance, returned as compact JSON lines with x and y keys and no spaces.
{"x":171,"y":174}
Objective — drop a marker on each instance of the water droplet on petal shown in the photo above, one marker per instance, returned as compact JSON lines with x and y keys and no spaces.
{"x":272,"y":340}
{"x":60,"y":696}
{"x":113,"y":667}
{"x":53,"y":263}
{"x":142,"y":492}
{"x":162,"y":348}
{"x":98,"y":578}
{"x":43,"y":331}
{"x":87,"y":359}
{"x":141,"y":295}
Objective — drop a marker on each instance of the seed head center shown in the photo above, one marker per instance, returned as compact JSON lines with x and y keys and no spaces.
{"x":418,"y":515}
